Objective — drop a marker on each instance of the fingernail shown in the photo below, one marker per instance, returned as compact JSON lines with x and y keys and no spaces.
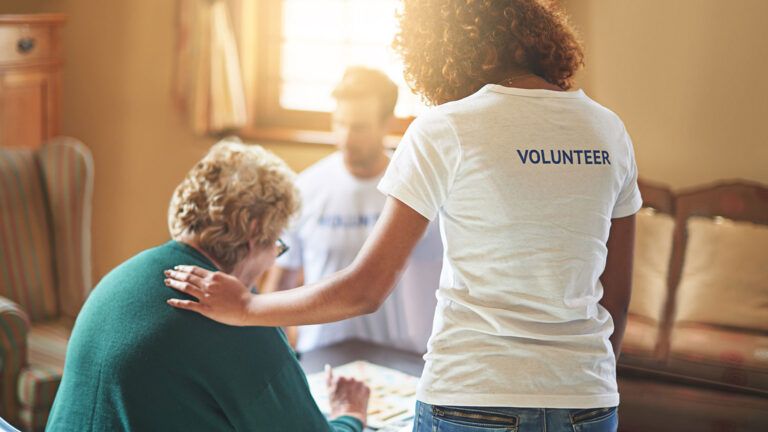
{"x":175,"y":267}
{"x":167,"y":281}
{"x":167,"y":272}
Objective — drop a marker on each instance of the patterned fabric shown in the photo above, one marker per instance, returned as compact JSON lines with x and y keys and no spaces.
{"x":26,"y":266}
{"x":45,"y":207}
{"x":720,"y":355}
{"x":67,"y":168}
{"x":724,"y":276}
{"x":13,"y":352}
{"x":34,"y":419}
{"x":38,"y":382}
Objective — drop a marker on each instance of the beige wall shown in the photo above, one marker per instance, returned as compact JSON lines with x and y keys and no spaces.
{"x":686,"y":76}
{"x":117,"y":100}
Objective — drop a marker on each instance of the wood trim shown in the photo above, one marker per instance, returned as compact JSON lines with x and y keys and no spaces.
{"x":43,"y":18}
{"x":265,"y":112}
{"x":736,"y":200}
{"x":301,"y":136}
{"x":657,"y":196}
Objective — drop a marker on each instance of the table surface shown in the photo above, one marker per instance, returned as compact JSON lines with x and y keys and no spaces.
{"x":351,"y":350}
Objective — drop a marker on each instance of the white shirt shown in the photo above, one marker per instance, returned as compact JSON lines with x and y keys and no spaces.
{"x":526,"y":183}
{"x":338,"y":213}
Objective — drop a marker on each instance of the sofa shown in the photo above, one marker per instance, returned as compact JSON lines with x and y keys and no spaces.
{"x":45,"y":270}
{"x":695,"y":351}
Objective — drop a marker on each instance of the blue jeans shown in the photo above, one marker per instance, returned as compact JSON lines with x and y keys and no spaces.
{"x":432,"y":418}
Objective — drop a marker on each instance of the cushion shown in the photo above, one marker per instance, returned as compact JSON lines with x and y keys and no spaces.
{"x":653,"y":247}
{"x":67,"y":169}
{"x":725,"y":276}
{"x":26,"y":265}
{"x":719,"y":355}
{"x":640,"y":338}
{"x":39,"y":381}
{"x":34,"y":419}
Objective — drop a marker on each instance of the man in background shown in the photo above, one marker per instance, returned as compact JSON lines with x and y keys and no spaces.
{"x":340,"y":205}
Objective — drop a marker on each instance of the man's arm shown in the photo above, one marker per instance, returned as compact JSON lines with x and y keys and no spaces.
{"x":617,"y":277}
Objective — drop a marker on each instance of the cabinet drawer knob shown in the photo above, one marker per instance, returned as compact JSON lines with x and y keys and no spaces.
{"x":25,"y":45}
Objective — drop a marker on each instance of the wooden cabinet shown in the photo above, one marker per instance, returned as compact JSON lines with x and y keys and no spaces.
{"x":30,"y":78}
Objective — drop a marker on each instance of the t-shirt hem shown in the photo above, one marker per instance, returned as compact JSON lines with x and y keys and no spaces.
{"x":632,"y":207}
{"x":522,"y":401}
{"x":389,"y":188}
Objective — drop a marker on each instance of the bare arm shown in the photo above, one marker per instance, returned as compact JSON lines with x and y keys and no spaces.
{"x":359,"y":289}
{"x":617,"y":277}
{"x":282,"y":279}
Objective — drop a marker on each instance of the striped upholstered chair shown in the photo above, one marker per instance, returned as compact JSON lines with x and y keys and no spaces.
{"x":45,"y":275}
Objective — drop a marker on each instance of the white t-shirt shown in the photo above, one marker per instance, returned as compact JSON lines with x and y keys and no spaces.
{"x":526,"y":183}
{"x":338,"y":213}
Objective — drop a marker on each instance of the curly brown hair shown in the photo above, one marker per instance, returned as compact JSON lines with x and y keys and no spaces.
{"x":451,"y":48}
{"x":235,"y":195}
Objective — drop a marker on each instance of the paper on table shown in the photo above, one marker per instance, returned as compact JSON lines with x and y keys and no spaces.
{"x":393,"y":393}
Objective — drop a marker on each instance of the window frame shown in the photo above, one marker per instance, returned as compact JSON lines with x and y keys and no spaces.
{"x":267,"y":119}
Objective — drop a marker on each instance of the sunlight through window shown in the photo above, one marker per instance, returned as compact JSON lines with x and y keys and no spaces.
{"x":320,"y":38}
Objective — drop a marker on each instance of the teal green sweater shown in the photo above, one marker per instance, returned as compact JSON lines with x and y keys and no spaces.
{"x":136,"y":364}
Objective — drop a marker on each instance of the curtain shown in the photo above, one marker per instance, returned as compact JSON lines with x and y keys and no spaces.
{"x":208,"y":84}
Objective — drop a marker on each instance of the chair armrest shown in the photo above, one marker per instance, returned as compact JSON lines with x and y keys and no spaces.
{"x":14,"y":326}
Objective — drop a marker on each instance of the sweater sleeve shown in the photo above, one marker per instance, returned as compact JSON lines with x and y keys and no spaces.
{"x":285,"y":404}
{"x":346,"y":424}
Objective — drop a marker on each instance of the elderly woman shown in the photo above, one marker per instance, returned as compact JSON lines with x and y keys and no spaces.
{"x":133,"y":364}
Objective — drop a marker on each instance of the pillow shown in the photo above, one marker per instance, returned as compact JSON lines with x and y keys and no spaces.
{"x":653,"y":247}
{"x":725,"y":275}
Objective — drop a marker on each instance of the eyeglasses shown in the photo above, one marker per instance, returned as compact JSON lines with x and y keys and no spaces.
{"x":281,"y":247}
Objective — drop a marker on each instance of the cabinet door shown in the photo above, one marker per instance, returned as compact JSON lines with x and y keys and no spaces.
{"x":28,"y":115}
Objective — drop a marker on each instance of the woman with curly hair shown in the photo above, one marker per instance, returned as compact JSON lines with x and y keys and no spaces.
{"x":536,"y":188}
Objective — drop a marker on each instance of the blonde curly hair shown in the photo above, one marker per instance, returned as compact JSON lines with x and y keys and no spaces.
{"x":235,"y":195}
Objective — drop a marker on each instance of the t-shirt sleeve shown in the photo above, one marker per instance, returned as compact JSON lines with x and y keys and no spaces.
{"x":629,"y":200}
{"x":424,"y":166}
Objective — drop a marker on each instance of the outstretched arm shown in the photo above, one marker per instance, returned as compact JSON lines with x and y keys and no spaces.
{"x":358,"y":289}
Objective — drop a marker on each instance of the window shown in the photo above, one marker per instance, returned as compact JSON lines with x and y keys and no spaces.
{"x":305,"y":46}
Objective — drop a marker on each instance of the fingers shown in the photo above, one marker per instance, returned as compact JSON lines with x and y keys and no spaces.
{"x":195,"y":270}
{"x":187,"y":305}
{"x":328,"y":375}
{"x":181,"y":276}
{"x":186,"y":288}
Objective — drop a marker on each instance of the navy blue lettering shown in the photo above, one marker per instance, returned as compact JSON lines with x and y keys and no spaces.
{"x":544,"y":157}
{"x":538,"y":156}
{"x":587,"y":157}
{"x":596,"y":155}
{"x":605,"y":157}
{"x":523,"y":156}
{"x":568,"y":155}
{"x":553,"y":153}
